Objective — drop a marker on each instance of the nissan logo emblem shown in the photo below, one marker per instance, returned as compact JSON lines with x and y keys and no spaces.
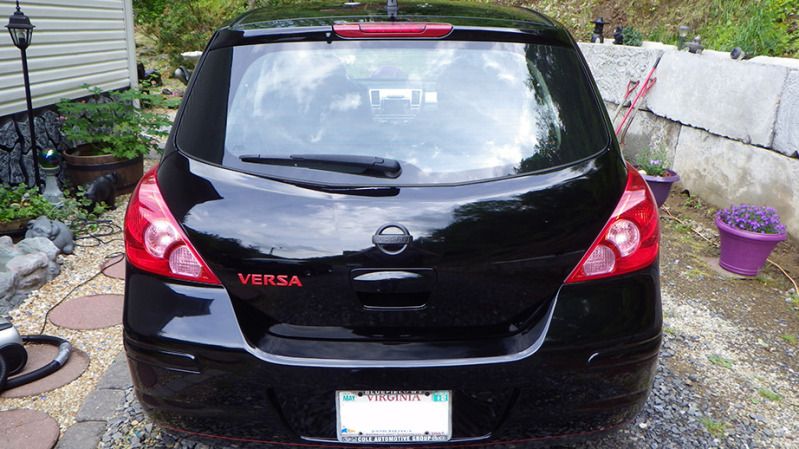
{"x":392,"y":243}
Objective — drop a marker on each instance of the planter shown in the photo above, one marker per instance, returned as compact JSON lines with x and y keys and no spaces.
{"x":14,"y":227}
{"x":661,"y":185}
{"x":745,"y":252}
{"x":83,"y":166}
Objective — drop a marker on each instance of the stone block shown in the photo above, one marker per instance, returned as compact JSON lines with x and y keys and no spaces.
{"x":726,"y":97}
{"x":786,"y":137}
{"x":650,"y":131}
{"x":614,"y":65}
{"x":791,"y":63}
{"x":724,"y":172}
{"x":82,"y":435}
{"x":100,"y":405}
{"x":117,"y":376}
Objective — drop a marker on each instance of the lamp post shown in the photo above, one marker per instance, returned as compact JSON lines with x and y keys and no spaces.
{"x":682,"y":36}
{"x":21,"y":30}
{"x":599,"y":30}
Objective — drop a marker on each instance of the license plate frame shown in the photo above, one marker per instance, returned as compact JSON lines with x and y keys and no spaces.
{"x":383,"y":416}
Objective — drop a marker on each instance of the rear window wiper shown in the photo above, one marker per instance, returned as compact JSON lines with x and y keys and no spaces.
{"x":345,"y":163}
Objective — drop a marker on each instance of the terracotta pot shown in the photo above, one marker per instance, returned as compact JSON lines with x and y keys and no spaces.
{"x":745,"y":252}
{"x":83,"y":167}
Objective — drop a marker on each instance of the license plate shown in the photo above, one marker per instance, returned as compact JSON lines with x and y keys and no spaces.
{"x":394,"y":416}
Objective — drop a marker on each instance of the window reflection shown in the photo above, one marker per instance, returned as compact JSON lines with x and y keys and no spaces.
{"x":448,"y":111}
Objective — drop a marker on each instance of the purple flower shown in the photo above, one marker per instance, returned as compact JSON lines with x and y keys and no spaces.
{"x":761,"y":219}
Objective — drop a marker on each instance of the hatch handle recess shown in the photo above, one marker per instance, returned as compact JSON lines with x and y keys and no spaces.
{"x":393,"y":281}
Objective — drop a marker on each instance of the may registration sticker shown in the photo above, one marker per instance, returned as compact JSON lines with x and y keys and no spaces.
{"x":394,"y":416}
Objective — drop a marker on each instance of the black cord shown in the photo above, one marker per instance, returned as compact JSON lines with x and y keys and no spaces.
{"x":72,"y":290}
{"x":95,"y":230}
{"x":3,"y":373}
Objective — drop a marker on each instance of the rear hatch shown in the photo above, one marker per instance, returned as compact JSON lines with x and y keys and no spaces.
{"x":419,"y":193}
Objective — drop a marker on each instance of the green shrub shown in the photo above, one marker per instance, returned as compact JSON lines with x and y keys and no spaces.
{"x":653,"y":161}
{"x":757,"y":26}
{"x":632,"y":36}
{"x":185,"y":25}
{"x":111,"y":124}
{"x":26,"y":203}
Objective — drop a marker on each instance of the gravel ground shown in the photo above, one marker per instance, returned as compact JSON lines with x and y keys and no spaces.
{"x":677,"y":415}
{"x":714,"y":384}
{"x":725,"y":378}
{"x":79,"y":271}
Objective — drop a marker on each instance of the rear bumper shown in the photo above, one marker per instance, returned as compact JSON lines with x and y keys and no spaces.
{"x":193,"y":370}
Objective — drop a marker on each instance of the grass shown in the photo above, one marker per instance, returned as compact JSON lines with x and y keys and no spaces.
{"x":719,"y":360}
{"x":715,"y":428}
{"x":789,"y":338}
{"x":669,"y":331}
{"x":760,"y":27}
{"x":769,"y":395}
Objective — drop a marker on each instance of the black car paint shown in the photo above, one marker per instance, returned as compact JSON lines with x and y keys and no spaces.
{"x":203,"y":361}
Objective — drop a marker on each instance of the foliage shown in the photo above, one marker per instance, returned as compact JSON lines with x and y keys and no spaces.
{"x":653,"y":161}
{"x":715,"y":428}
{"x":184,"y":25}
{"x":23,"y":202}
{"x":790,"y":339}
{"x":632,"y":36}
{"x":720,"y":361}
{"x":763,"y":27}
{"x":113,"y":124}
{"x":755,"y":26}
{"x":769,"y":395}
{"x":760,"y":219}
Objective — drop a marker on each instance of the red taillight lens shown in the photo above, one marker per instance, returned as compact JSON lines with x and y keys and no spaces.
{"x":154,"y":242}
{"x":630,"y":239}
{"x":381,"y":30}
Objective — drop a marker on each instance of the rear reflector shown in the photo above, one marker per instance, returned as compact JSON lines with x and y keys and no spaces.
{"x":630,"y":239}
{"x":154,"y":242}
{"x":383,"y":30}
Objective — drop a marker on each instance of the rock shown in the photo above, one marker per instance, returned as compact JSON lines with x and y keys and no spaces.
{"x":714,"y":94}
{"x":7,"y":286}
{"x":57,"y":232}
{"x":31,"y":270}
{"x":770,"y":178}
{"x":8,"y":135}
{"x":7,"y":250}
{"x":786,"y":139}
{"x":38,"y":245}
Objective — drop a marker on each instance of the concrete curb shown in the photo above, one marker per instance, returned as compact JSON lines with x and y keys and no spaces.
{"x":100,"y":405}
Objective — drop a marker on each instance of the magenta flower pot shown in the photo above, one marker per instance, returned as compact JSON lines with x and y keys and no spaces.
{"x":745,"y":252}
{"x":661,"y":185}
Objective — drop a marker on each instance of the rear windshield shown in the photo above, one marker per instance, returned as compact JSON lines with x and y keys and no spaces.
{"x":446,"y":111}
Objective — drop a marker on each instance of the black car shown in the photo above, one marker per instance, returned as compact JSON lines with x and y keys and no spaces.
{"x":393,"y":225}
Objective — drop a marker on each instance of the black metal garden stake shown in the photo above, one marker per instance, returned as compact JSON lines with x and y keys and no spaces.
{"x":21,"y":30}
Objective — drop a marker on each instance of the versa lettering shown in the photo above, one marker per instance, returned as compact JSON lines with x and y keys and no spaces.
{"x":275,"y":280}
{"x":295,"y":281}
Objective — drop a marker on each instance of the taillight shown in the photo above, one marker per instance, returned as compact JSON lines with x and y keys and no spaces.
{"x":154,"y":242}
{"x":381,"y":30}
{"x":630,"y":239}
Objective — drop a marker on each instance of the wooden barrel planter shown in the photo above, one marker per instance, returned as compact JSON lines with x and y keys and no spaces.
{"x":83,"y":166}
{"x":14,"y":227}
